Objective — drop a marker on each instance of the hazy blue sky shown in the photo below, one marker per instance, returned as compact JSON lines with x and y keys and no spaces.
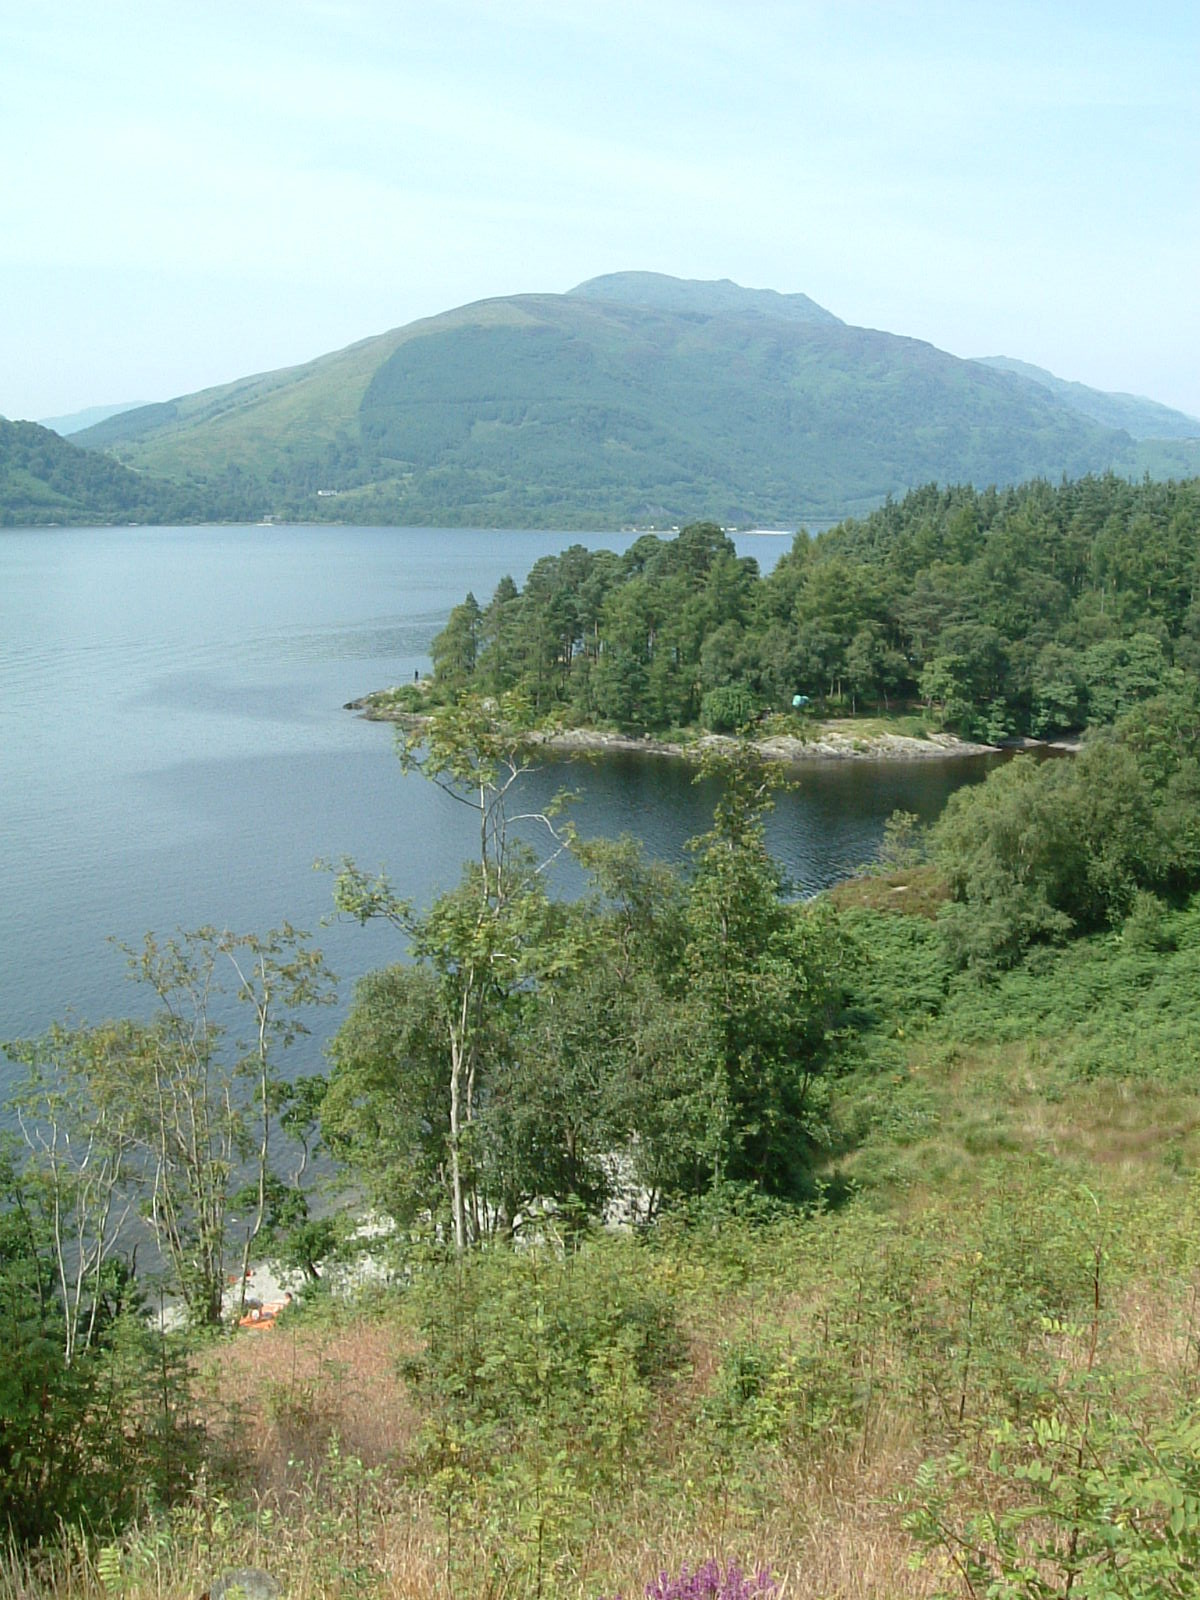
{"x":196,"y":191}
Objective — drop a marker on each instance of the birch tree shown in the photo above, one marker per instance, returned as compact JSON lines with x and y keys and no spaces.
{"x":206,"y":1101}
{"x":80,"y":1167}
{"x":168,"y":1118}
{"x":483,"y":940}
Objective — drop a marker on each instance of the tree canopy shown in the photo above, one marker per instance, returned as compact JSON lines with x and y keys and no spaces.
{"x":1037,"y":610}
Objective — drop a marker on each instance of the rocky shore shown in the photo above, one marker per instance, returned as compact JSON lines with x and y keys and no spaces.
{"x":827,"y":741}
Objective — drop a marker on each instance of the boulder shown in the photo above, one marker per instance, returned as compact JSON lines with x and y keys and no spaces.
{"x":244,"y":1583}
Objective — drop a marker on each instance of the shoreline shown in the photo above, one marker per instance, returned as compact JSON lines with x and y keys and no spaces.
{"x":831,"y":741}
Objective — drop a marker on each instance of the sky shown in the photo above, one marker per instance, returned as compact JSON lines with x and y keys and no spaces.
{"x":195,"y":190}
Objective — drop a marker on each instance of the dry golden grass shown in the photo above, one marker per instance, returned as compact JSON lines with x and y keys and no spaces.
{"x":279,"y":1397}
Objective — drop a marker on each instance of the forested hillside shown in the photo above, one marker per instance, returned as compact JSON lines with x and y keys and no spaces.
{"x":635,"y":399}
{"x":1140,"y":418}
{"x":1035,"y":610}
{"x":43,"y":479}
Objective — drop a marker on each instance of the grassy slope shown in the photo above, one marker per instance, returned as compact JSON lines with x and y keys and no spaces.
{"x":246,"y":423}
{"x":262,"y":423}
{"x":573,"y":410}
{"x":1086,"y":1055}
{"x":997,"y":1136}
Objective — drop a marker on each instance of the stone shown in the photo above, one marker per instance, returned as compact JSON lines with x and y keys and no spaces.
{"x":244,"y":1583}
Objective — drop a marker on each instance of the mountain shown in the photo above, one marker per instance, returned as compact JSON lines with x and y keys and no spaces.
{"x":635,"y":398}
{"x":690,"y":297}
{"x":1139,"y":417}
{"x":76,"y":421}
{"x":44,"y":479}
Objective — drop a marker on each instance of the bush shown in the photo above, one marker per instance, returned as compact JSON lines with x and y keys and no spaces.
{"x":1146,"y":927}
{"x":1043,"y":850}
{"x":517,"y":1335}
{"x":728,"y":708}
{"x":94,"y":1438}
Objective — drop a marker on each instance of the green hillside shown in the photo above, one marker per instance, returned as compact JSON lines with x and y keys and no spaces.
{"x":1139,"y":417}
{"x":634,"y":399}
{"x":43,"y":479}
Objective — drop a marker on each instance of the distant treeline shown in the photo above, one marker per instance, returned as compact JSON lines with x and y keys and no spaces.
{"x":1034,"y":610}
{"x":46,"y":479}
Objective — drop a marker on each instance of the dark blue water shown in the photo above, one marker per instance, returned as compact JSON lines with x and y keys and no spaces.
{"x":174,"y":752}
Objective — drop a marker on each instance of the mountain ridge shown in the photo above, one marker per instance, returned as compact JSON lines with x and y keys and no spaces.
{"x":76,"y":421}
{"x":698,"y":296}
{"x":1136,"y":414}
{"x":633,"y":399}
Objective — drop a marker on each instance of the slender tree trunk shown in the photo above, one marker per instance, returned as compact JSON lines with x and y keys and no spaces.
{"x":263,"y":1009}
{"x":456,"y":1192}
{"x":457,"y":1063}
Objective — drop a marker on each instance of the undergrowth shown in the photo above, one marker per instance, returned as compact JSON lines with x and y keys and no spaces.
{"x":973,"y":1369}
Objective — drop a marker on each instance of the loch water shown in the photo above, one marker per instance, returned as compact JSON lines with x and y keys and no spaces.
{"x":174,"y":750}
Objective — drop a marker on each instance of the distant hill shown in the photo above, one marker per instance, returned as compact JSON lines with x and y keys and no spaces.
{"x":634,"y":399}
{"x":76,"y":421}
{"x":1139,"y":417}
{"x":690,"y":297}
{"x":44,"y":479}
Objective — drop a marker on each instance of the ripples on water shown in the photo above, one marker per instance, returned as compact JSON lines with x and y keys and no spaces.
{"x":173,"y":749}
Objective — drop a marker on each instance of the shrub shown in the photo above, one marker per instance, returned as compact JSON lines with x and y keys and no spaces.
{"x":728,"y":708}
{"x":1041,"y":851}
{"x":514,"y":1336}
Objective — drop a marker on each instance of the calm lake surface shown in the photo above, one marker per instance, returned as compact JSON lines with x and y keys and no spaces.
{"x":174,"y":752}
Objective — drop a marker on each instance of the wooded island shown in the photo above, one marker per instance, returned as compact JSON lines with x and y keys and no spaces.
{"x":1030,"y":611}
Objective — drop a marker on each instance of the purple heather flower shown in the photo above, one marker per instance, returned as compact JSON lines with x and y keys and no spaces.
{"x":709,"y":1582}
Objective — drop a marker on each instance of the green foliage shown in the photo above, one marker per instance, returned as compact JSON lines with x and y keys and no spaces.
{"x":168,"y":1117}
{"x":534,"y":1335}
{"x":728,"y":708}
{"x":1087,"y":1496}
{"x":88,"y":1433}
{"x":1147,"y":927}
{"x":904,"y":844}
{"x":1043,"y":850}
{"x":1089,"y":1501}
{"x":1011,"y":858}
{"x":158,"y":1119}
{"x":1037,"y":610}
{"x":387,"y":1104}
{"x":539,"y":1374}
{"x":628,"y":1051}
{"x":456,"y":648}
{"x":1105,"y":1007}
{"x":771,"y":978}
{"x":484,"y":947}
